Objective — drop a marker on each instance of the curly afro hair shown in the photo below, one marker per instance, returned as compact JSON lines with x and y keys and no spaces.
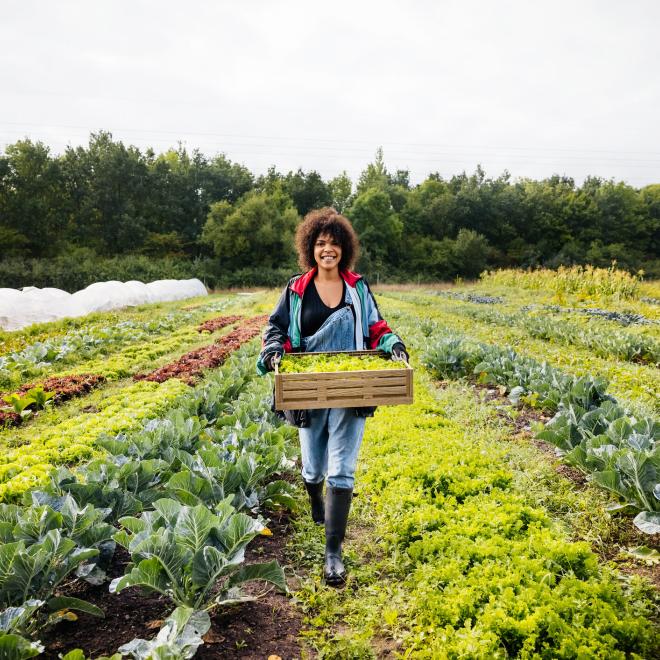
{"x":326,"y":221}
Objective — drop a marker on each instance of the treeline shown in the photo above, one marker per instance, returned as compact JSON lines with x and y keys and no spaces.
{"x":111,"y":211}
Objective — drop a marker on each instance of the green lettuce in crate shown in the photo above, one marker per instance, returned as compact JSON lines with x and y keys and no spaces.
{"x":337,"y":362}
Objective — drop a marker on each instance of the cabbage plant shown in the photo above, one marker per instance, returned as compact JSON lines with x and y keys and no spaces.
{"x":30,"y":574}
{"x":179,"y":637}
{"x":183,"y":551}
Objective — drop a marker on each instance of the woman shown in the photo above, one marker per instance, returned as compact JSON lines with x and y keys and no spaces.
{"x":328,"y":308}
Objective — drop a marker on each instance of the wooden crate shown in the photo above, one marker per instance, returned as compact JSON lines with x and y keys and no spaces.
{"x":343,"y":389}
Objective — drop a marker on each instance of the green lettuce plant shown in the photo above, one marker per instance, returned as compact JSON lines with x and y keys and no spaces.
{"x":338,"y":362}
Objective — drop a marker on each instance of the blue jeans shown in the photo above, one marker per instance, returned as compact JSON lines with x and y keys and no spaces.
{"x":331,"y":443}
{"x":330,"y":446}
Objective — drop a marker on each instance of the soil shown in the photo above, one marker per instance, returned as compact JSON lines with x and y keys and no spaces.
{"x":258,"y":629}
{"x":525,"y":416}
{"x":267,"y":626}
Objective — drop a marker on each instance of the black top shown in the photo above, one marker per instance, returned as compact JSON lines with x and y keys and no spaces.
{"x":314,"y":311}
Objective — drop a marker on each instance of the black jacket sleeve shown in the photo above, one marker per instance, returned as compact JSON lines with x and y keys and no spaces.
{"x":276,"y":332}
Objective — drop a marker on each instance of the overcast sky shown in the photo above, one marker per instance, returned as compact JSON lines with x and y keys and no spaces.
{"x":568,"y":87}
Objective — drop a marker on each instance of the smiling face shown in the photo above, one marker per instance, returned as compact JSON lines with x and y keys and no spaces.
{"x":327,"y":252}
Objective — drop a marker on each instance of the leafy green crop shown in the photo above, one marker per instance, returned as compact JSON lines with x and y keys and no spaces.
{"x":593,"y":432}
{"x":179,"y":637}
{"x":81,"y":344}
{"x":32,"y":572}
{"x":337,"y":362}
{"x":182,"y":551}
{"x":15,"y":647}
{"x":461,"y":562}
{"x":73,"y":440}
{"x":85,"y":526}
{"x":605,"y":342}
{"x":635,"y":384}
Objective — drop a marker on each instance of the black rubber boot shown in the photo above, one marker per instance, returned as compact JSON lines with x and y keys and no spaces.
{"x":337,"y":506}
{"x":315,"y":492}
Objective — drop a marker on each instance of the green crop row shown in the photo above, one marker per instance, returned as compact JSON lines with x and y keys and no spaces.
{"x":604,"y":342}
{"x":181,"y":489}
{"x":593,"y":432}
{"x":15,"y":341}
{"x":27,"y":459}
{"x":622,"y":318}
{"x":636,"y":385}
{"x":462,"y":563}
{"x":79,"y":345}
{"x":113,"y":351}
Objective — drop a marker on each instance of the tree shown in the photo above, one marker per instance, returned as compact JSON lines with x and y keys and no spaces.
{"x":378,"y":227}
{"x":341,"y":188}
{"x":258,"y":232}
{"x":429,"y":259}
{"x":308,"y":191}
{"x":650,"y":196}
{"x":429,"y":210}
{"x":108,"y":192}
{"x":375,"y":175}
{"x":470,"y":253}
{"x":225,"y":180}
{"x":31,"y":199}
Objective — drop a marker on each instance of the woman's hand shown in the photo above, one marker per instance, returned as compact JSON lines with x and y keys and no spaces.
{"x":272,"y":360}
{"x":399,"y":353}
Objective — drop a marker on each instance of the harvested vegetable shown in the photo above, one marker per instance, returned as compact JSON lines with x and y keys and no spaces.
{"x":338,"y":362}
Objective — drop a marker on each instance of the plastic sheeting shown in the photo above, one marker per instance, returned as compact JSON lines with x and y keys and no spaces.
{"x":20,"y":308}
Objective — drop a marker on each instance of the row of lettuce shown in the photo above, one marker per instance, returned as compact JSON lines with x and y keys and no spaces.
{"x":463,"y":559}
{"x":132,"y":342}
{"x":636,"y":384}
{"x":556,"y":324}
{"x":591,"y":430}
{"x":181,"y":493}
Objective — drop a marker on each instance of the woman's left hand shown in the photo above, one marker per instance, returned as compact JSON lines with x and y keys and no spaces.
{"x":399,"y":353}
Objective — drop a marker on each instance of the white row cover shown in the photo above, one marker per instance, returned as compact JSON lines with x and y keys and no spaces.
{"x":20,"y":308}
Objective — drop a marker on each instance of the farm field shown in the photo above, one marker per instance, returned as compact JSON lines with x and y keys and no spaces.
{"x":152,"y":506}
